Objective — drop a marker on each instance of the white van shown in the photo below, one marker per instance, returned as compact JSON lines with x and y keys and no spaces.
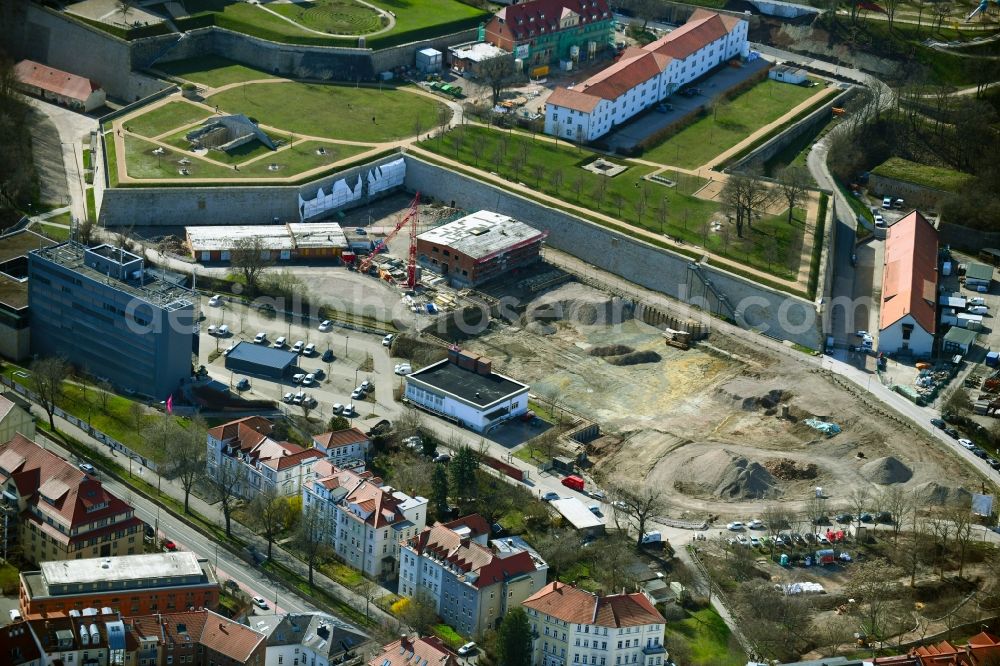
{"x":978,"y":310}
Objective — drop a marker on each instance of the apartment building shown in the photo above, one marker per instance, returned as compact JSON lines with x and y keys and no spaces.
{"x":544,"y":32}
{"x":472,"y":583}
{"x":253,"y":462}
{"x":104,"y":313}
{"x":363,"y":519}
{"x":95,"y":638}
{"x":343,"y":446}
{"x":415,"y":651}
{"x":309,"y":639}
{"x":195,"y":638}
{"x":54,"y":511}
{"x":643,"y":77}
{"x":572,"y":626}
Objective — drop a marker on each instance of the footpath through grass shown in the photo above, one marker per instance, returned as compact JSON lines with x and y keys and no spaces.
{"x":708,"y":639}
{"x":731,"y":122}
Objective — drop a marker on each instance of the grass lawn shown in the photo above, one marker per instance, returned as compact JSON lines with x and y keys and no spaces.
{"x":9,"y":580}
{"x":772,"y":246}
{"x":142,"y":163}
{"x":213,"y":71}
{"x":342,"y":574}
{"x":708,"y":639}
{"x":86,"y":156}
{"x":448,"y":635}
{"x":940,"y":178}
{"x":733,"y":121}
{"x":300,"y":157}
{"x":339,"y":17}
{"x":304,"y":108}
{"x":91,"y":205}
{"x":165,"y":118}
{"x":796,"y":153}
{"x":112,"y":157}
{"x":52,"y":231}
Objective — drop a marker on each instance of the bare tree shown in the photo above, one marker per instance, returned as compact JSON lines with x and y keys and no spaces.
{"x":538,"y":171}
{"x":600,"y":191}
{"x":556,"y":178}
{"x":499,"y":74}
{"x":268,"y":515}
{"x":250,"y":259}
{"x":793,"y":183}
{"x":310,"y":540}
{"x":890,"y":10}
{"x":47,"y":375}
{"x":371,"y":591}
{"x":420,"y":612}
{"x":898,"y":503}
{"x":186,"y":456}
{"x":874,"y":584}
{"x":859,"y":500}
{"x":776,"y":518}
{"x":577,"y":186}
{"x":225,"y":486}
{"x":85,"y":231}
{"x":104,"y":392}
{"x":939,"y":529}
{"x":961,"y":517}
{"x":746,"y":194}
{"x":640,"y":504}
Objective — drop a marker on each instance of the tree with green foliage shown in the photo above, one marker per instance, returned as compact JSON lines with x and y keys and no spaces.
{"x":514,"y":642}
{"x":439,"y":494}
{"x":338,"y":422}
{"x":464,"y":465}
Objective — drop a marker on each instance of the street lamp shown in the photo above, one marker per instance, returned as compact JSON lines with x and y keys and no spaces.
{"x":347,"y":340}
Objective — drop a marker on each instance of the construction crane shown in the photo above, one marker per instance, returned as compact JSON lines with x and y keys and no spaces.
{"x":411,"y":219}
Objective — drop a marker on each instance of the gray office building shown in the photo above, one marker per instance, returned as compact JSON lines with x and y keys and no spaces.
{"x":105,"y":314}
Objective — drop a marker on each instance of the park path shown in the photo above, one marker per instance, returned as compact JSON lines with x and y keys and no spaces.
{"x":389,"y":16}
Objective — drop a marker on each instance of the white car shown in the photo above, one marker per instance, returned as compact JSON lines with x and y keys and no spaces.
{"x":260,"y":338}
{"x":222,"y":331}
{"x":468,"y":648}
{"x":742,"y":540}
{"x":298,"y":346}
{"x":348,"y":409}
{"x":309,"y":401}
{"x":337,"y":408}
{"x":309,"y":349}
{"x":735,"y":526}
{"x":822,"y":538}
{"x":15,"y":616}
{"x":280,"y":342}
{"x":287,"y":398}
{"x":879,"y":220}
{"x":215,"y":301}
{"x":756,"y":524}
{"x":309,"y":379}
{"x":967,"y":443}
{"x":260,"y":603}
{"x":211,"y":329}
{"x":403,"y":369}
{"x":755,"y":542}
{"x":367,"y":386}
{"x":298,"y":398}
{"x":387,"y":340}
{"x":298,"y":377}
{"x":358,"y":394}
{"x":87,"y":467}
{"x":325,"y":326}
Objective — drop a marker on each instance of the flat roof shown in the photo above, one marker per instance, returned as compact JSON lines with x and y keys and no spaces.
{"x":13,"y":293}
{"x":20,"y":243}
{"x":317,"y":234}
{"x":576,"y":513}
{"x":262,"y":355}
{"x":271,"y":236}
{"x":960,"y":336}
{"x":477,"y":52}
{"x":978,"y":271}
{"x":126,"y":567}
{"x":469,"y":385}
{"x":483,"y":234}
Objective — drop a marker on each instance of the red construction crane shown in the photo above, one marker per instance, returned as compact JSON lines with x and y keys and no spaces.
{"x":411,"y":218}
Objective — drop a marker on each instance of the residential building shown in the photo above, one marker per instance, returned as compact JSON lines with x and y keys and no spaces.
{"x":96,"y":637}
{"x":15,"y":340}
{"x":981,"y":650}
{"x":100,"y":310}
{"x":463,"y":388}
{"x":363,"y":519}
{"x":281,"y":242}
{"x":15,"y":418}
{"x":414,"y":651}
{"x":309,"y":639}
{"x":572,"y":626}
{"x":196,"y":638}
{"x":253,"y":462}
{"x":343,"y":447}
{"x":132,"y":585}
{"x":18,"y":647}
{"x":479,"y":247}
{"x":54,"y":511}
{"x":907,"y":316}
{"x":544,"y":32}
{"x":643,"y":77}
{"x":471,"y":583}
{"x":54,"y":85}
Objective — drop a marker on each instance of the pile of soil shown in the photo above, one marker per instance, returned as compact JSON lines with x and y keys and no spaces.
{"x":886,"y":471}
{"x":768,"y":401}
{"x":580,"y":304}
{"x":634,"y":358}
{"x":611,"y":350}
{"x":789,"y":470}
{"x":726,"y":475}
{"x":933,"y":493}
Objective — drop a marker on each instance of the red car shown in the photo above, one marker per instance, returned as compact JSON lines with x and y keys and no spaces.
{"x":169,"y":546}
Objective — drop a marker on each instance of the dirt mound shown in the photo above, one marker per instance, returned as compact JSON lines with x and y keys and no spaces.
{"x":611,"y":350}
{"x":933,"y":492}
{"x":726,"y":475}
{"x":789,"y":470}
{"x":634,"y":358}
{"x":580,"y":304}
{"x":886,"y":471}
{"x":769,"y":400}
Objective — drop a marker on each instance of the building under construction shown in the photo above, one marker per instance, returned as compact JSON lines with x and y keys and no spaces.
{"x":479,"y":247}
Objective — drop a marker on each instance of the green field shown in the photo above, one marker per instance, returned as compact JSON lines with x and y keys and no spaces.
{"x":142,"y":163}
{"x":339,"y":17}
{"x":730,"y":123}
{"x":300,"y":157}
{"x":167,"y":117}
{"x":773,"y":246}
{"x":939,"y":178}
{"x":708,"y":639}
{"x":213,"y":71}
{"x":305,"y":108}
{"x":52,"y":231}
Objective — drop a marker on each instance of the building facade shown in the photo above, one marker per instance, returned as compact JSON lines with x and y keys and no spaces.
{"x":54,"y":511}
{"x":15,"y":420}
{"x":343,"y":447}
{"x":100,"y":310}
{"x":131,"y":585}
{"x":546,"y":32}
{"x":644,"y":77}
{"x":572,"y":626}
{"x":907,"y":315}
{"x":195,"y":638}
{"x":472,"y":584}
{"x":281,"y":242}
{"x":309,"y":639}
{"x":361,"y":518}
{"x":54,"y":85}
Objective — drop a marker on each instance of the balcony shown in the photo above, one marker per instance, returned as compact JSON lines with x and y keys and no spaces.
{"x":657,"y":648}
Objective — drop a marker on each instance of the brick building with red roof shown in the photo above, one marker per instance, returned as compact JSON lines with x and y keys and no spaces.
{"x":907,"y":316}
{"x":543,"y":32}
{"x":54,"y":85}
{"x":343,"y":446}
{"x":415,"y":651}
{"x":200,"y":638}
{"x":53,"y":510}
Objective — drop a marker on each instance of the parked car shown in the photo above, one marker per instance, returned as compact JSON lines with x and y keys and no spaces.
{"x":756,"y":524}
{"x":468,"y":648}
{"x":169,"y":546}
{"x":348,"y":409}
{"x":88,"y":468}
{"x":967,"y":443}
{"x":243,"y":384}
{"x":325,"y":325}
{"x":550,"y":496}
{"x":298,"y":377}
{"x":260,"y":603}
{"x":735,"y":526}
{"x":298,"y":398}
{"x":387,"y":340}
{"x":260,"y":338}
{"x":979,"y":310}
{"x":951,"y":432}
{"x":358,"y":394}
{"x":328,"y":356}
{"x":883,"y":517}
{"x":280,"y":342}
{"x":403,"y":369}
{"x":755,"y":542}
{"x":298,"y":346}
{"x":222,"y":331}
{"x":15,"y":616}
{"x":442,"y":458}
{"x":886,"y":203}
{"x":309,"y":379}
{"x":865,"y":517}
{"x":413,"y":442}
{"x":844,"y":518}
{"x":337,"y":408}
{"x":977,"y":300}
{"x":211,"y":329}
{"x":879,"y":220}
{"x":742,"y":540}
{"x":309,"y":349}
{"x":287,"y":398}
{"x":822,"y":538}
{"x":898,"y":204}
{"x":215,"y":301}
{"x":367,"y":386}
{"x":938,"y":423}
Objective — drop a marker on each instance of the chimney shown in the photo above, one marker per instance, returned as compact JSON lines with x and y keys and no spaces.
{"x":454,"y":351}
{"x":484,"y":366}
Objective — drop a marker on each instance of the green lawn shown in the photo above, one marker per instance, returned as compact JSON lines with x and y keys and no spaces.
{"x":731,"y":123}
{"x":167,"y":117}
{"x":940,"y":178}
{"x":91,"y":205}
{"x":9,"y":580}
{"x":772,"y":246}
{"x":708,"y":639}
{"x":52,"y":231}
{"x":213,"y":71}
{"x":339,"y":17}
{"x":142,"y":163}
{"x":300,"y":157}
{"x":112,"y":156}
{"x":448,"y":635}
{"x":362,"y":114}
{"x":341,"y":573}
{"x":237,"y":155}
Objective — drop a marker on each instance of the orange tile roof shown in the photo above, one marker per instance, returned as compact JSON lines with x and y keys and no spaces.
{"x":614,"y":81}
{"x":234,"y":429}
{"x":207,"y":628}
{"x":574,"y":605}
{"x":693,"y":35}
{"x":341,"y":437}
{"x":573,"y":99}
{"x":909,"y":282}
{"x":54,"y":80}
{"x":429,"y":650}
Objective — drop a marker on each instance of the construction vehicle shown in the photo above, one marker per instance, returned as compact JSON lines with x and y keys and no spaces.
{"x":992,"y":383}
{"x":411,"y":268}
{"x":678,"y":339}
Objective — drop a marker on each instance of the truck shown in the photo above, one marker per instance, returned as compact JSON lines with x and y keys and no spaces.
{"x":825,"y":556}
{"x":573,"y":481}
{"x":970,"y":321}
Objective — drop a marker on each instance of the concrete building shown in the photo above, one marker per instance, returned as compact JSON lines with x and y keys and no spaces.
{"x":463,"y":388}
{"x":343,"y":446}
{"x":788,"y":74}
{"x":907,"y":317}
{"x":309,"y":639}
{"x":281,"y":242}
{"x":198,"y":637}
{"x":247,"y":358}
{"x":572,"y":626}
{"x":227,"y":133}
{"x":98,"y":308}
{"x":15,"y":340}
{"x":15,"y":418}
{"x":132,"y":585}
{"x":415,"y":651}
{"x":468,"y":57}
{"x":643,"y":77}
{"x":53,"y":511}
{"x":546,"y":32}
{"x":479,"y":247}
{"x":472,"y":584}
{"x":54,"y":85}
{"x":243,"y":453}
{"x":958,"y":340}
{"x":361,"y":518}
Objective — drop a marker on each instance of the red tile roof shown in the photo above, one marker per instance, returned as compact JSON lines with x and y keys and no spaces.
{"x":543,"y":16}
{"x":614,"y":81}
{"x":374,"y":505}
{"x":340,"y":438}
{"x":429,"y":650}
{"x":241,"y":428}
{"x":54,"y":80}
{"x":251,"y":436}
{"x":693,"y":35}
{"x":909,"y":282}
{"x":572,"y":99}
{"x":205,"y":627}
{"x":574,"y":605}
